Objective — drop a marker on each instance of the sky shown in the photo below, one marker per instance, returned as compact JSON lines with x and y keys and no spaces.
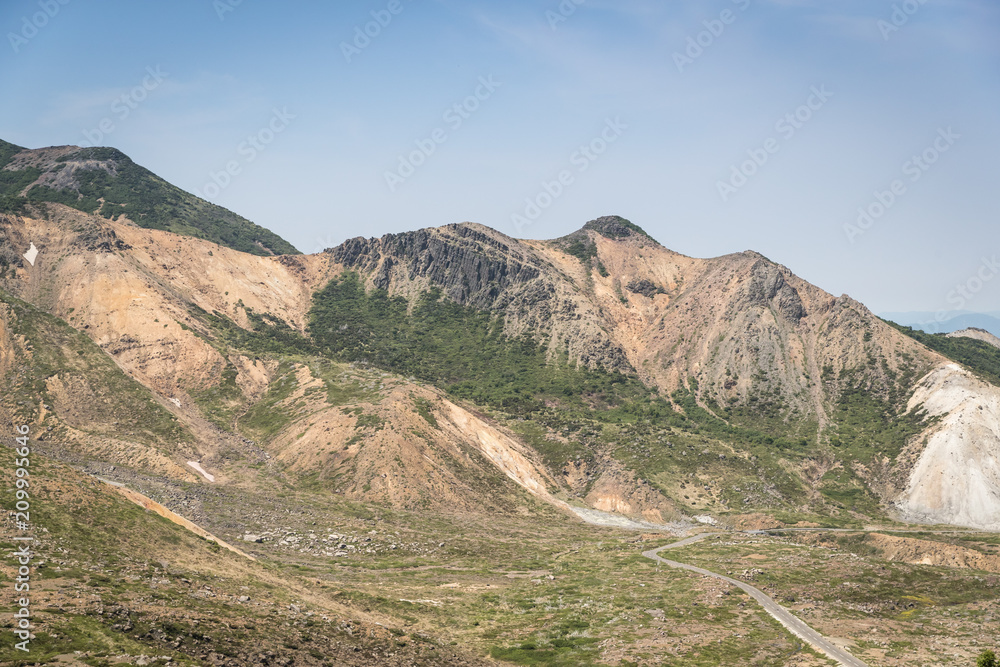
{"x":853,"y":141}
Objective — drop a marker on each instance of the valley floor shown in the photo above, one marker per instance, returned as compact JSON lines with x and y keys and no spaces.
{"x":345,"y":583}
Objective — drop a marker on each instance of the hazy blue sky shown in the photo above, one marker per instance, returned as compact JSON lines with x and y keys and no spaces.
{"x":668,"y":98}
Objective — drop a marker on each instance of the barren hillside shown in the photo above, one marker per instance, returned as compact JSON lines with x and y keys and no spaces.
{"x":731,"y":359}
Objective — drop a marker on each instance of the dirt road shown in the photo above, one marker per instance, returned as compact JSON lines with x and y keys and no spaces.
{"x":783,"y":616}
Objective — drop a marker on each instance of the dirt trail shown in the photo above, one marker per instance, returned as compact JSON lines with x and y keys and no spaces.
{"x":791,"y":622}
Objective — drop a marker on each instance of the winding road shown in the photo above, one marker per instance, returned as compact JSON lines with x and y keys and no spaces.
{"x":796,"y":626}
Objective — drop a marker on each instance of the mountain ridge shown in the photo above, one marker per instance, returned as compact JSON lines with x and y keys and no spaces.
{"x":106,"y":181}
{"x":735,"y":349}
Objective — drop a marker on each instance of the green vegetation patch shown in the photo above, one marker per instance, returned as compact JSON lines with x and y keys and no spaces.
{"x":222,"y":402}
{"x":266,"y":418}
{"x":978,"y":356}
{"x":616,"y":227}
{"x":564,"y":412}
{"x":866,"y":425}
{"x":114,"y":185}
{"x":460,"y":349}
{"x":424,"y":410}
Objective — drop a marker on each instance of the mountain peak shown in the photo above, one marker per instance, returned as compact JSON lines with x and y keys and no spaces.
{"x":106,"y":182}
{"x":616,"y":227}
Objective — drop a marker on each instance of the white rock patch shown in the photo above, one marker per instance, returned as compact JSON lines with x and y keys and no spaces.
{"x":957,"y":478}
{"x":197,"y":466}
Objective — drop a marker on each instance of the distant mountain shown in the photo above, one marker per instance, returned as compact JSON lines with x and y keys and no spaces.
{"x":104,"y":181}
{"x":977,"y":334}
{"x":929,"y":322}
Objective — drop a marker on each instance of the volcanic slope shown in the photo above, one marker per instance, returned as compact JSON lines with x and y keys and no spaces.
{"x":635,"y":379}
{"x":107,"y":182}
{"x":112,"y":583}
{"x":812,"y":385}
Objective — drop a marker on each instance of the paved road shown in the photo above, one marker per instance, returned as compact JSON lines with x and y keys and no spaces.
{"x":785,"y":617}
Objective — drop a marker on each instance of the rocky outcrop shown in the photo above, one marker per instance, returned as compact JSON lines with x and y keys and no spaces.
{"x":739,"y":331}
{"x":609,"y":296}
{"x":619,"y":491}
{"x":767,"y":287}
{"x":472,"y":267}
{"x":101,"y":240}
{"x":616,"y":227}
{"x":956,"y":479}
{"x":478,"y":267}
{"x":644,"y":287}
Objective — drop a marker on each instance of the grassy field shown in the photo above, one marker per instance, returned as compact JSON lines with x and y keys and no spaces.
{"x":552,"y":592}
{"x":542,"y":589}
{"x":115,"y":582}
{"x":893,"y":613}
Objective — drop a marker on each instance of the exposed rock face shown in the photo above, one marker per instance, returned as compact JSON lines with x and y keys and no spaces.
{"x":644,"y":287}
{"x":68,"y":177}
{"x":131,"y":289}
{"x":618,"y":491}
{"x":615,"y":227}
{"x":478,"y":267}
{"x":768,"y":288}
{"x":101,"y":240}
{"x":473,"y":267}
{"x":447,"y":459}
{"x":928,"y":552}
{"x":956,"y":479}
{"x":612,"y":297}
